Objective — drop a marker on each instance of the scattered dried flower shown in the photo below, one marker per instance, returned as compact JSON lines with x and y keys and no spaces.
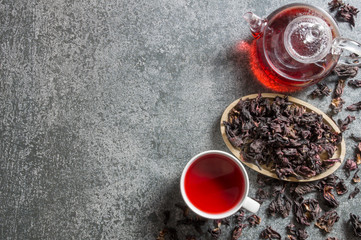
{"x":356,"y":224}
{"x":321,"y":90}
{"x":261,"y":195}
{"x":345,"y":71}
{"x":329,"y":197}
{"x":337,"y":104}
{"x":237,"y":231}
{"x":306,"y":211}
{"x":341,"y":187}
{"x":326,"y":221}
{"x":339,"y":88}
{"x":347,"y":13}
{"x":354,"y":107}
{"x":254,"y":220}
{"x":344,"y":124}
{"x":240,"y":217}
{"x":303,"y":188}
{"x":350,"y":165}
{"x":356,"y":178}
{"x":335,"y":4}
{"x":215,"y":232}
{"x":354,"y":193}
{"x":270,"y":233}
{"x":281,"y":204}
{"x":296,"y":233}
{"x":355,"y":83}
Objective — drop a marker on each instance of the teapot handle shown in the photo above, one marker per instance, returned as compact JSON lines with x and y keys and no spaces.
{"x":256,"y":24}
{"x":340,"y":44}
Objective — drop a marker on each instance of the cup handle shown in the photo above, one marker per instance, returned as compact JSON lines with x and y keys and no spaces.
{"x":251,"y":205}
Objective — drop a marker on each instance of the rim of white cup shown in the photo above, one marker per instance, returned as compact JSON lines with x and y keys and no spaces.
{"x":218,"y":215}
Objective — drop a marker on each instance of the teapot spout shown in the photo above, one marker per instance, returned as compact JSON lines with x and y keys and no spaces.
{"x":256,"y":24}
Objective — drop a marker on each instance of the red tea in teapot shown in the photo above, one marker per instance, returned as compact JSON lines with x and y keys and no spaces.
{"x":293,"y":48}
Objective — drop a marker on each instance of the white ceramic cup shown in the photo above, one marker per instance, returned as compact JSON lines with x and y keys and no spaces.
{"x":245,"y":202}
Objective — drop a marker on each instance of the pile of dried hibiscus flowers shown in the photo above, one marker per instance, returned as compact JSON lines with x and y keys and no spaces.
{"x":282,"y":137}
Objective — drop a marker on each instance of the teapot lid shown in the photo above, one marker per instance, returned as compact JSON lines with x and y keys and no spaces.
{"x":308,"y":39}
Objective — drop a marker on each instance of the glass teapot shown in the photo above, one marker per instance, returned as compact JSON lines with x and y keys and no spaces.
{"x":299,"y":44}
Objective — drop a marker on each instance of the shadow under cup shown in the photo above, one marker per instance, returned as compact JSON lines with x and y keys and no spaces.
{"x":214,"y":184}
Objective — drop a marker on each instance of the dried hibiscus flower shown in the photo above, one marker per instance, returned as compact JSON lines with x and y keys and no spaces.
{"x":350,"y":165}
{"x":329,"y":197}
{"x":354,"y":83}
{"x":261,"y":195}
{"x":335,"y":4}
{"x":240,"y":217}
{"x":356,"y":224}
{"x":282,"y":205}
{"x":321,"y":90}
{"x":337,"y":104}
{"x":341,"y":187}
{"x":330,"y":180}
{"x":354,"y":107}
{"x":347,"y":13}
{"x":326,"y":221}
{"x":219,"y":222}
{"x":237,"y":231}
{"x":354,"y":193}
{"x":269,"y":233}
{"x":344,"y":124}
{"x":306,"y":211}
{"x":345,"y":71}
{"x":296,"y":233}
{"x":356,"y":178}
{"x":215,"y":232}
{"x":339,"y":88}
{"x":254,"y":220}
{"x":303,"y":188}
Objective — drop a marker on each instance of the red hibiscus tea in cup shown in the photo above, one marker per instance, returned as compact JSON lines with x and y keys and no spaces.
{"x":214,"y":184}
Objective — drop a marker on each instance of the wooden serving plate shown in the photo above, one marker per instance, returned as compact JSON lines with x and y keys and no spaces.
{"x":339,"y":153}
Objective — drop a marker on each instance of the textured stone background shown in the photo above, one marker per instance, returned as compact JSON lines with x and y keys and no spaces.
{"x":102,"y":103}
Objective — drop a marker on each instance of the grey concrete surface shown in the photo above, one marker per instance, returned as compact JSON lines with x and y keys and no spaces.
{"x":102,"y":103}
